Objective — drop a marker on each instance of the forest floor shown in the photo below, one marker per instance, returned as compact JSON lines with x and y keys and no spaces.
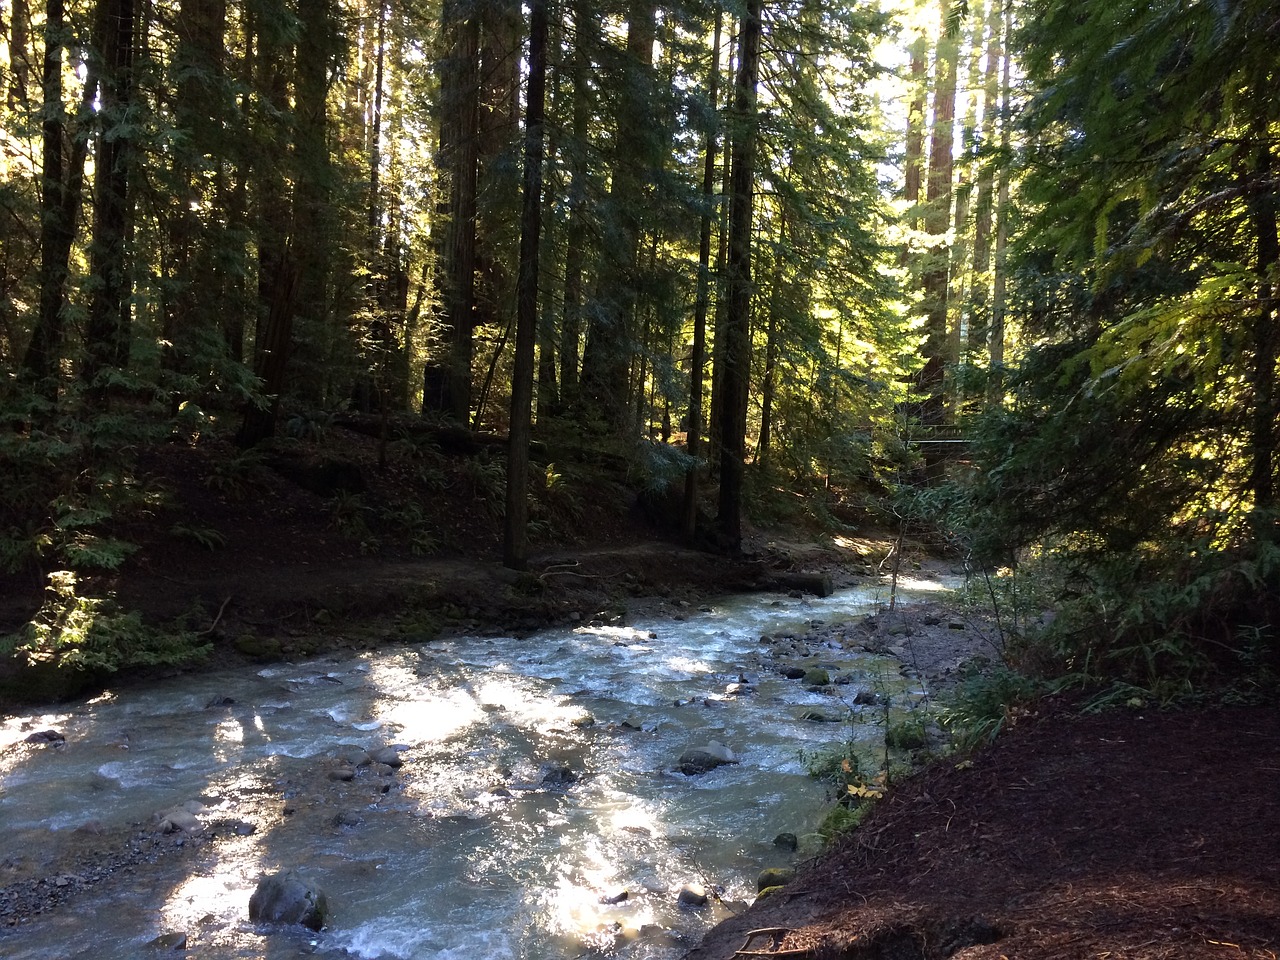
{"x":1134,"y":833}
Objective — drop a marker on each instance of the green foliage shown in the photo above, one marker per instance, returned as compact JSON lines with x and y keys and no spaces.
{"x":840,"y":820}
{"x":207,"y":537}
{"x":91,"y":634}
{"x":411,"y":521}
{"x":85,"y":551}
{"x":658,"y":466}
{"x":986,"y":700}
{"x":239,"y":475}
{"x":485,"y":481}
{"x":313,"y":425}
{"x":907,"y":733}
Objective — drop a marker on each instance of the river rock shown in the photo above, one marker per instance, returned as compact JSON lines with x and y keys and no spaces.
{"x":698,"y":760}
{"x":817,"y":716}
{"x":692,"y":895}
{"x":287,"y":897}
{"x":388,"y":755}
{"x":793,"y":673}
{"x":557,"y":774}
{"x":816,"y":677}
{"x":46,"y":737}
{"x":616,"y":898}
{"x":787,"y":841}
{"x":775,"y":877}
{"x":343,"y":773}
{"x":170,"y":941}
{"x":171,"y":821}
{"x":353,"y":754}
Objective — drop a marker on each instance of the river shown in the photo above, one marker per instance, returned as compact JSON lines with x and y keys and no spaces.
{"x":539,"y":781}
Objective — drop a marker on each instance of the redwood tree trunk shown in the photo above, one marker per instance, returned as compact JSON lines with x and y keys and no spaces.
{"x":737,"y":341}
{"x":698,"y":358}
{"x":107,"y":337}
{"x":447,"y":377}
{"x":515,"y":552}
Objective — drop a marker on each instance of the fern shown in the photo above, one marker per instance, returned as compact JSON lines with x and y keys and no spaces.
{"x":92,"y":634}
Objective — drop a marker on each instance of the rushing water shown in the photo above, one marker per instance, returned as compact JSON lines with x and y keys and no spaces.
{"x":479,"y":847}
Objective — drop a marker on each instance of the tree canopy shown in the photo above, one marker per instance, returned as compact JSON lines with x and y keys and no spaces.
{"x":741,"y":248}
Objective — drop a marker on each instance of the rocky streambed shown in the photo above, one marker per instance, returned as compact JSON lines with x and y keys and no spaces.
{"x":477,"y":796}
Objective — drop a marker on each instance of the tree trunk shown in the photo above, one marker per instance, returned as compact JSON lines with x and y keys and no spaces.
{"x":1266,"y":344}
{"x":193,"y":299}
{"x":937,"y":222}
{"x":995,"y":382}
{"x":771,"y":347}
{"x":702,"y":300}
{"x":314,"y":228}
{"x":606,"y":361}
{"x":278,"y":268}
{"x":913,"y":162}
{"x":19,"y":54}
{"x":60,"y":200}
{"x":576,"y":233}
{"x":715,"y":419}
{"x":447,"y":379}
{"x":980,"y":295}
{"x":737,"y":343}
{"x":272,"y":351}
{"x":515,"y":552}
{"x":108,"y":328}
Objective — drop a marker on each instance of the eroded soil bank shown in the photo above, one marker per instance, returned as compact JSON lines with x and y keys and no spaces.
{"x":1134,"y":833}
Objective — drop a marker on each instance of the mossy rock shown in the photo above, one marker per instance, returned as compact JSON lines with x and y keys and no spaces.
{"x":769,"y":891}
{"x":773,"y":877}
{"x":816,"y":677}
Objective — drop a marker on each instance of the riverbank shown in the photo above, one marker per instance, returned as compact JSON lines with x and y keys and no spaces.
{"x":1134,"y":833}
{"x":572,"y":721}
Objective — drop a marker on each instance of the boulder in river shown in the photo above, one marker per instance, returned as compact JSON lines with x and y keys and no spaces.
{"x":179,"y":818}
{"x":353,"y":754}
{"x":43,"y":737}
{"x":816,"y":677}
{"x":287,"y":897}
{"x":557,"y":774}
{"x":692,"y":895}
{"x":388,"y":755}
{"x":698,"y":760}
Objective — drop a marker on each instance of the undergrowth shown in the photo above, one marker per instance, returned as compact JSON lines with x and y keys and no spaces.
{"x":72,"y":631}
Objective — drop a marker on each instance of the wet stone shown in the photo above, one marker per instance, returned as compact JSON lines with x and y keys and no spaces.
{"x":692,"y":895}
{"x":787,"y":841}
{"x":388,"y":755}
{"x":170,"y":941}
